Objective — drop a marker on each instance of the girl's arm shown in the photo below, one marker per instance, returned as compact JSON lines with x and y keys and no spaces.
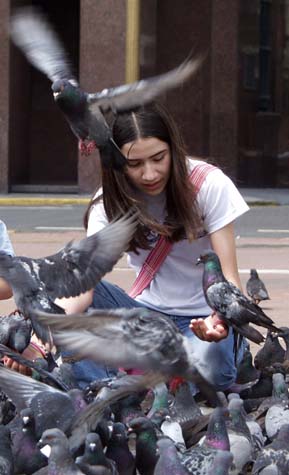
{"x":5,"y":290}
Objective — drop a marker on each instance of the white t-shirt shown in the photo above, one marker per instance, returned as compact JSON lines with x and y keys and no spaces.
{"x":177,"y":286}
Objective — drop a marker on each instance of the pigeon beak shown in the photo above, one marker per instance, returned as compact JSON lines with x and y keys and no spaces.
{"x":56,"y":94}
{"x":199,"y":261}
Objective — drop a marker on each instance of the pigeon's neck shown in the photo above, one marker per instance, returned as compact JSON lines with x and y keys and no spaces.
{"x":212,"y":274}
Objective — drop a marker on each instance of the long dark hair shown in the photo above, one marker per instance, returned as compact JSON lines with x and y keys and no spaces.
{"x":183,"y":217}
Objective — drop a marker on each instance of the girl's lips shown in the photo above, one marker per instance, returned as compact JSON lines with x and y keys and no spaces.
{"x":153,"y":186}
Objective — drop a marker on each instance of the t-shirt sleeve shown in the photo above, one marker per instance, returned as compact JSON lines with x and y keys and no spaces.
{"x":97,"y":218}
{"x":5,"y":243}
{"x":220,"y":201}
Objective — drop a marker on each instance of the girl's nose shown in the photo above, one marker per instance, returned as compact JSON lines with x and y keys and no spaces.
{"x":149,"y":172}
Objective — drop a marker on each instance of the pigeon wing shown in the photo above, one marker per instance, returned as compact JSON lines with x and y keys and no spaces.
{"x":21,"y":389}
{"x":131,"y":96}
{"x":32,"y":33}
{"x":79,"y":266}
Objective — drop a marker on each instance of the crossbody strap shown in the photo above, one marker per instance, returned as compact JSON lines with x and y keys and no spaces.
{"x":162,"y":248}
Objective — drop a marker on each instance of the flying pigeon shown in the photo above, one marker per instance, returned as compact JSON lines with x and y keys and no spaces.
{"x":230,"y":303}
{"x":256,"y":288}
{"x":85,"y":112}
{"x":76,"y":268}
{"x":140,"y":338}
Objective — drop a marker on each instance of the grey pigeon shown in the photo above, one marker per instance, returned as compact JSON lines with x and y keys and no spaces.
{"x":118,"y":450}
{"x":60,"y":460}
{"x":15,"y":331}
{"x":222,"y":463}
{"x":230,"y":303}
{"x":169,"y":462}
{"x":278,"y":412}
{"x":141,"y":339}
{"x":173,"y":430}
{"x":256,"y":288}
{"x":76,"y":268}
{"x":84,"y":112}
{"x":276,"y":453}
{"x":6,"y":456}
{"x":241,"y":443}
{"x":51,"y":408}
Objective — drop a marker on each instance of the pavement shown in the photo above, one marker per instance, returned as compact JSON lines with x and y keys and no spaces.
{"x":268,"y":255}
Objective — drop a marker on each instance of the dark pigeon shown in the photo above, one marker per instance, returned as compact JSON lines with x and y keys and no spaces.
{"x":230,"y":303}
{"x":146,"y":445}
{"x":84,"y":112}
{"x":76,"y":268}
{"x":46,"y":377}
{"x":118,"y":450}
{"x":94,"y":455}
{"x":246,"y":371}
{"x":141,"y":339}
{"x":256,"y":288}
{"x":270,"y":353}
{"x":6,"y":456}
{"x":26,"y":454}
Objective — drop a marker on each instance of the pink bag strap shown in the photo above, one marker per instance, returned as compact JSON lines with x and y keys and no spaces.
{"x":162,"y":248}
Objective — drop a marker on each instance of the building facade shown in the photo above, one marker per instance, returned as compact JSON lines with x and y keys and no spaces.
{"x":234,"y":111}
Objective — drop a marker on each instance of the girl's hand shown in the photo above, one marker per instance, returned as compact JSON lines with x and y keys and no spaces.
{"x":209,"y":329}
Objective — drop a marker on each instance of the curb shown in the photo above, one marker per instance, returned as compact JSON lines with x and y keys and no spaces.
{"x":43,"y":201}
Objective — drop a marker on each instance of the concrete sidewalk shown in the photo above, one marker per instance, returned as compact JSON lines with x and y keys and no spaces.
{"x":253,"y":196}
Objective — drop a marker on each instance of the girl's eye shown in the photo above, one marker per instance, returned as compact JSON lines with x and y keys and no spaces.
{"x":133,"y":163}
{"x":158,"y":158}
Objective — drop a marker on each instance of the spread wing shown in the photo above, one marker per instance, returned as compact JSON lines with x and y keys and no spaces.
{"x":79,"y":266}
{"x":131,"y":96}
{"x":32,"y":33}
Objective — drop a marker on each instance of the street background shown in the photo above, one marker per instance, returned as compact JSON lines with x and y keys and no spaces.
{"x":262,"y":237}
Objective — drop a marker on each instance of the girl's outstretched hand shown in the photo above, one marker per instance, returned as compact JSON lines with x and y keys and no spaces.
{"x":209,"y":329}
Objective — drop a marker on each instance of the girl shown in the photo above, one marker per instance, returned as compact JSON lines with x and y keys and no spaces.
{"x":190,"y":203}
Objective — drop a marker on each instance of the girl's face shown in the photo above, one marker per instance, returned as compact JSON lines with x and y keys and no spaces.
{"x":149,"y":164}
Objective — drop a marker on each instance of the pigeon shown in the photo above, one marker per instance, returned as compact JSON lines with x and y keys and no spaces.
{"x":60,"y":459}
{"x":146,"y":445}
{"x":160,"y":401}
{"x":173,"y":430}
{"x":94,"y":455}
{"x":141,"y":338}
{"x":85,"y":112}
{"x":278,"y":412}
{"x":51,"y":408}
{"x":26,"y":454}
{"x":169,"y":462}
{"x":276,"y":453}
{"x":6,"y":456}
{"x":15,"y":331}
{"x":76,"y":268}
{"x":118,"y":450}
{"x":256,"y":288}
{"x":246,"y":371}
{"x":221,"y":464}
{"x":270,"y":353}
{"x":47,"y":377}
{"x":231,"y":305}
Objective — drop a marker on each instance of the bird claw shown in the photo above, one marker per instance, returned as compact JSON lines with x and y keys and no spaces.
{"x":86,"y":148}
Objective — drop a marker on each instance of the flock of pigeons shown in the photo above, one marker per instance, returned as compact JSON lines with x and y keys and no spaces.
{"x":148,"y":423}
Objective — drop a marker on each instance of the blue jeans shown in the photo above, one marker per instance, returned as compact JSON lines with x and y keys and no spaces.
{"x":215,"y":360}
